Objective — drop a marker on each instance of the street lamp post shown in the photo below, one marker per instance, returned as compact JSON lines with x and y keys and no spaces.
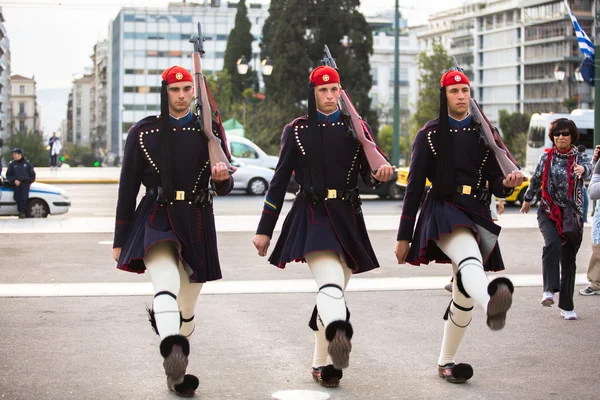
{"x":266,"y":69}
{"x":560,"y":74}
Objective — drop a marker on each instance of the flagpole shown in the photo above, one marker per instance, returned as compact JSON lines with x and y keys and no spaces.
{"x":597,"y":78}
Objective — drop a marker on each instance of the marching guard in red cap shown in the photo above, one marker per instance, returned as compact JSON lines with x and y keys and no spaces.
{"x":325,"y":226}
{"x":455,"y":225}
{"x":172,"y":231}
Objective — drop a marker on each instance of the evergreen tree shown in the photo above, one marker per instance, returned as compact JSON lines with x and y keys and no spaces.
{"x":514,"y":129}
{"x":276,"y":7}
{"x":339,"y":25}
{"x":239,"y":43}
{"x":431,"y":67}
{"x":290,"y":62}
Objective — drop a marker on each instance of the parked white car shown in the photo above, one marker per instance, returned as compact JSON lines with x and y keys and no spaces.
{"x":43,"y":200}
{"x":247,"y":152}
{"x":254,"y":180}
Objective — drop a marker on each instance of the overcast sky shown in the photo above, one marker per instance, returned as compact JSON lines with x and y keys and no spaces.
{"x":53,"y":40}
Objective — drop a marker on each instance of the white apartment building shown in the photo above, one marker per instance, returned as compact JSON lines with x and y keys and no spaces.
{"x":516,"y":46}
{"x":5,"y":90}
{"x":144,"y":41}
{"x":100,"y":140}
{"x":83,"y":110}
{"x":382,"y":70}
{"x":498,"y":61}
{"x":25,"y":110}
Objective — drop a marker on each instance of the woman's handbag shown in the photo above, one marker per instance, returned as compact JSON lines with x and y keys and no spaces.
{"x":572,"y":221}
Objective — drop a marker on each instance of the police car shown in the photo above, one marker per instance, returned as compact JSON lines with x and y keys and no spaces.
{"x":43,"y":200}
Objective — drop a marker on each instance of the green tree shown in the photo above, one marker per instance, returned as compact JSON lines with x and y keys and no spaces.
{"x":239,"y":43}
{"x":33,"y":146}
{"x":432,"y":67}
{"x":339,"y":25}
{"x":286,"y":97}
{"x":276,"y":8}
{"x":514,"y":129}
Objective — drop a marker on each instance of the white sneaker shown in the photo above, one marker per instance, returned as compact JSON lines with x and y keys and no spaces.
{"x":548,"y":299}
{"x":568,"y":315}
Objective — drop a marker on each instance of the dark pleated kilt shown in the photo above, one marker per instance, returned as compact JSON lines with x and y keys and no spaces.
{"x":438,"y":218}
{"x":190,"y":229}
{"x":333,"y":225}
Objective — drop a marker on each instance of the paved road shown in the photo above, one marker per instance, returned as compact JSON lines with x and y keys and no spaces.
{"x":82,"y":333}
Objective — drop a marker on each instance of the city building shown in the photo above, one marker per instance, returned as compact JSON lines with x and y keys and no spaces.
{"x":520,"y":50}
{"x":82,"y":111}
{"x":145,"y":41}
{"x":25,"y":109}
{"x":5,"y":89}
{"x":99,"y":137}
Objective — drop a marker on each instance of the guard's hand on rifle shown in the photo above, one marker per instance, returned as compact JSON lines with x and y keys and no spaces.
{"x":261,"y":242}
{"x":513,"y":179}
{"x":384,"y":173}
{"x":401,"y":251}
{"x":220,"y":172}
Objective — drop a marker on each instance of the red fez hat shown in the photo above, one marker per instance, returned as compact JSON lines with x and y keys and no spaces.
{"x":324,"y":75}
{"x":453,"y":77}
{"x":176,"y":74}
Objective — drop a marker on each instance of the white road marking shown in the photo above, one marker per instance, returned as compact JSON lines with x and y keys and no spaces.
{"x":88,"y":289}
{"x":224,"y":223}
{"x":300,"y":395}
{"x":105,"y":242}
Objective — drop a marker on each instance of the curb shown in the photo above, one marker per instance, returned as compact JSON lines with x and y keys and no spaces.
{"x":77,"y":181}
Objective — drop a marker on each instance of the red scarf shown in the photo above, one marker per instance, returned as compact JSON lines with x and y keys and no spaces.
{"x":552,"y":210}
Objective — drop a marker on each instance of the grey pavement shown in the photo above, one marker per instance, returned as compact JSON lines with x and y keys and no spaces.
{"x":248,"y":346}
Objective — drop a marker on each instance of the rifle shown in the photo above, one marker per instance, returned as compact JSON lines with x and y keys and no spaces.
{"x":505,"y":160}
{"x":203,"y":111}
{"x":374,"y":156}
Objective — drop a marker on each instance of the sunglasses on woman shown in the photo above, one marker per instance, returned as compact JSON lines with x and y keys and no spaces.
{"x":557,"y":134}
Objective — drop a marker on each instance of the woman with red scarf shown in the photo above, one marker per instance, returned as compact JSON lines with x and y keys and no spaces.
{"x":560,"y":173}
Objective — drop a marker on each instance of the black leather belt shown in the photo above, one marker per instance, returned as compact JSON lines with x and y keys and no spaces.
{"x":482,"y":195}
{"x":200,"y":198}
{"x":349,"y":195}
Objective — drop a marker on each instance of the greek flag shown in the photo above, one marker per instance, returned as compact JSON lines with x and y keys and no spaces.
{"x":585,"y":44}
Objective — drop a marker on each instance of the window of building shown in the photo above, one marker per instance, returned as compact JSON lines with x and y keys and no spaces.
{"x":21,"y":107}
{"x":374,"y":75}
{"x":1,"y":108}
{"x":22,"y":89}
{"x":243,"y":151}
{"x":1,"y":88}
{"x":22,"y":126}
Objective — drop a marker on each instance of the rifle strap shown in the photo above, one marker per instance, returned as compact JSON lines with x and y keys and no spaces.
{"x":213,"y":106}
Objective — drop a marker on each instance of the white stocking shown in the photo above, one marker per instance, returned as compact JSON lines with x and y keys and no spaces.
{"x":162,"y":265}
{"x":461,"y":247}
{"x":188,"y":296}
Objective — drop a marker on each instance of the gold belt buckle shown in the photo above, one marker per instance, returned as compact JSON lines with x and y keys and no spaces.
{"x":466,"y":189}
{"x":331,"y":193}
{"x":179,"y":195}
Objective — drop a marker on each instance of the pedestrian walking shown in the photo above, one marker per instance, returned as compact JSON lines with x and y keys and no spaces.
{"x":559,"y":174}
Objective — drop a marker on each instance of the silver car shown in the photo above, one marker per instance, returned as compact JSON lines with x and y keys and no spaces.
{"x":251,"y":178}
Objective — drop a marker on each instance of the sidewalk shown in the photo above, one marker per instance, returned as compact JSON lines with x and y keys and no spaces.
{"x":78,"y":175}
{"x":224,"y":223}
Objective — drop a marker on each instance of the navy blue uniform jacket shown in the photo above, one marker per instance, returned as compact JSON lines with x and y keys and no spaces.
{"x":191,"y":229}
{"x":330,"y":225}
